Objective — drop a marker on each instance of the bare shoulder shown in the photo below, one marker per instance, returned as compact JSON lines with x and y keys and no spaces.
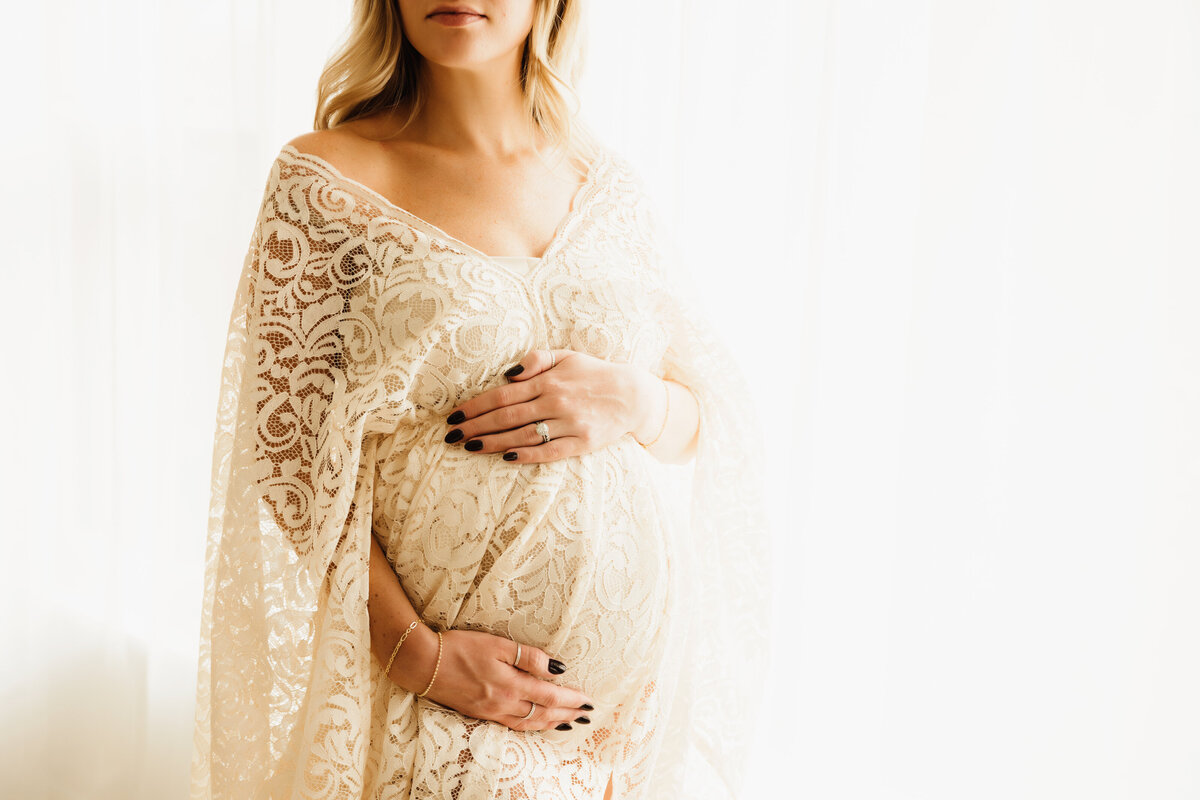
{"x":318,"y":143}
{"x":367,"y":149}
{"x":342,"y":147}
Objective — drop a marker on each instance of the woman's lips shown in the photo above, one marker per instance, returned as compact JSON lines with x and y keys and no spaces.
{"x":455,"y":19}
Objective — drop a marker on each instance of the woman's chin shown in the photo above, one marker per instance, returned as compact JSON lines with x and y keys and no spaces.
{"x":463,"y":60}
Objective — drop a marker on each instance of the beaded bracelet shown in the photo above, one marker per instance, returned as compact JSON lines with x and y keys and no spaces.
{"x":388,"y":669}
{"x":435,"y":667}
{"x":666,"y":414}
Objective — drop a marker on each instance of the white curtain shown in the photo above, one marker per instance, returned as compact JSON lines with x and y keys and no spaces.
{"x":953,"y":243}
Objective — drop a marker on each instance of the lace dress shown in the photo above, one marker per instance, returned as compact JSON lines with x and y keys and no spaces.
{"x":355,"y":328}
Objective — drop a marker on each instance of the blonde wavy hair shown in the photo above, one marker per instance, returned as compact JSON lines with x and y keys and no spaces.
{"x":376,"y":68}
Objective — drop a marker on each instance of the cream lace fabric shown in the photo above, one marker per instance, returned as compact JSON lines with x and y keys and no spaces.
{"x":355,"y":327}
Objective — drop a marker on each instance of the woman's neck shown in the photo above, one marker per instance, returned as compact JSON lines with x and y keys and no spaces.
{"x":481,"y":111}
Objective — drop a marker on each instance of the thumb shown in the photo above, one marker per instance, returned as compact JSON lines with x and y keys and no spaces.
{"x":535,"y":362}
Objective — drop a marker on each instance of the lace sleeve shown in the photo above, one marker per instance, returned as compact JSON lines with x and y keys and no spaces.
{"x":286,"y":557}
{"x":725,"y":602}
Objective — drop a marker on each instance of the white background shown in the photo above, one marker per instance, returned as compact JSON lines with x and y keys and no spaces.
{"x":955,"y":245}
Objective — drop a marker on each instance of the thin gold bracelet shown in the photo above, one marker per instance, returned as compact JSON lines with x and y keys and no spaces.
{"x":435,"y":667}
{"x":666,"y":414}
{"x":388,"y":669}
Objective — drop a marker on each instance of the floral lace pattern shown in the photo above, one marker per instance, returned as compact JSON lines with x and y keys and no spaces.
{"x":355,"y":327}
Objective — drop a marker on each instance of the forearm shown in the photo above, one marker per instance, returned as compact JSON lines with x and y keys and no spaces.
{"x":391,"y":612}
{"x":676,"y":416}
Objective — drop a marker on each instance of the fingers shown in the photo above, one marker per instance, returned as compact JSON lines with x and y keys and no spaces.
{"x":536,"y":662}
{"x":536,"y":362}
{"x":499,"y":397}
{"x":556,"y":707}
{"x":525,"y":443}
{"x":479,"y":679}
{"x":561,"y":700}
{"x":553,"y":450}
{"x":524,"y":436}
{"x":504,"y":419}
{"x":509,"y":418}
{"x":545,"y":718}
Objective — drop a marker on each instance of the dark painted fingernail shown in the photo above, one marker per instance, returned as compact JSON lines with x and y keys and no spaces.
{"x":454,"y":435}
{"x":588,"y":707}
{"x":509,"y":456}
{"x":563,"y":727}
{"x":455,"y":418}
{"x":511,"y":371}
{"x":584,"y":720}
{"x":474,"y":444}
{"x":557,"y":667}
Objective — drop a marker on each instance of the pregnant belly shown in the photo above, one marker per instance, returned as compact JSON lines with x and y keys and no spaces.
{"x":571,"y":556}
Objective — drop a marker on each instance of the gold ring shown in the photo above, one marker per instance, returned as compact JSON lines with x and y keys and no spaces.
{"x":532,"y":708}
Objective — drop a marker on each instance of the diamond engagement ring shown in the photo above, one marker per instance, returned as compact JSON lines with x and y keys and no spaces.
{"x":532,"y":708}
{"x":543,"y":431}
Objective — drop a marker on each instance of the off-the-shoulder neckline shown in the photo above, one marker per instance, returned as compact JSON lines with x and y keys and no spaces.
{"x":580,"y":202}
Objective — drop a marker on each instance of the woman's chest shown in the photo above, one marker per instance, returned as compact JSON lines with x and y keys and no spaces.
{"x":448,"y":323}
{"x":512,"y":207}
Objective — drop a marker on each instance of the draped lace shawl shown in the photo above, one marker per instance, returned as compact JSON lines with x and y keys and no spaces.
{"x":284,"y":647}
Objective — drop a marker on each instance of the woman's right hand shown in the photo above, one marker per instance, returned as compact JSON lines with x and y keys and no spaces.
{"x":477,"y":678}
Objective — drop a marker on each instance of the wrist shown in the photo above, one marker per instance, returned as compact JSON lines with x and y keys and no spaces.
{"x":415,"y":660}
{"x":650,"y":406}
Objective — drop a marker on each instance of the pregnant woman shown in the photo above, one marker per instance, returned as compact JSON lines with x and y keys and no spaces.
{"x":485,"y":518}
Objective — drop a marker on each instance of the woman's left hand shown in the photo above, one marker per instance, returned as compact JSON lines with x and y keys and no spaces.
{"x":587,"y":403}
